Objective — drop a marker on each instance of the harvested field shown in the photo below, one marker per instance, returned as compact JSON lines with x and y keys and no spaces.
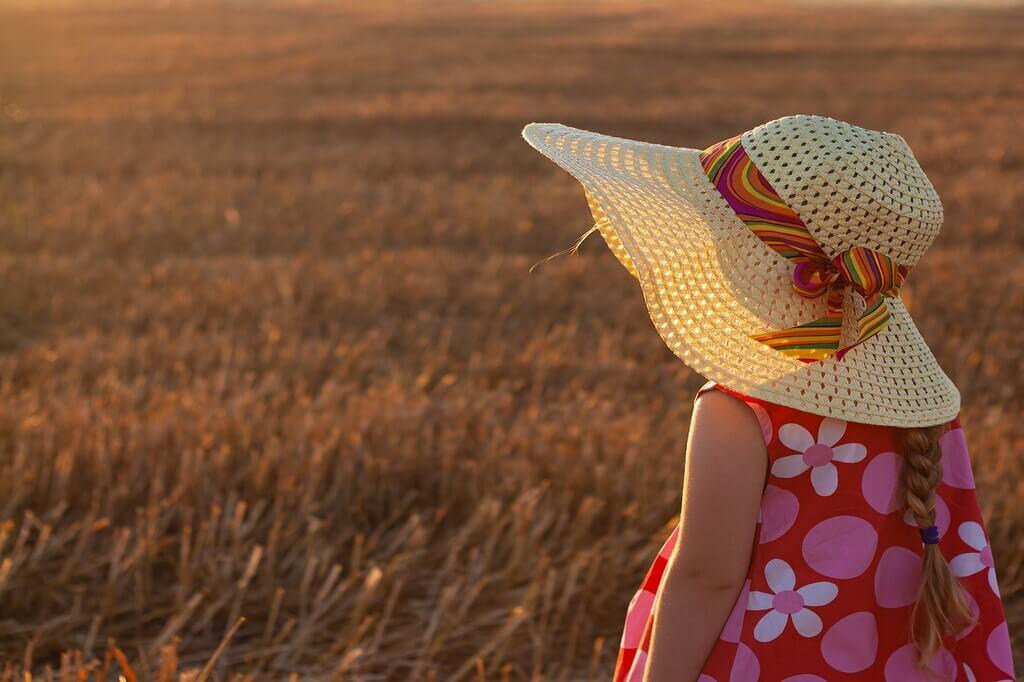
{"x":269,"y":347}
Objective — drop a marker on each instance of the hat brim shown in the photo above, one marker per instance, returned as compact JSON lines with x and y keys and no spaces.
{"x":710,"y":284}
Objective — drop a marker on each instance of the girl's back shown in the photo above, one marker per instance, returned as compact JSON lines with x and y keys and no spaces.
{"x":844,"y":534}
{"x":837,"y":562}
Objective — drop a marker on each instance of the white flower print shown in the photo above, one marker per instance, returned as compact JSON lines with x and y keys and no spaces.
{"x":970,"y":563}
{"x":787,"y":602}
{"x":818,"y":454}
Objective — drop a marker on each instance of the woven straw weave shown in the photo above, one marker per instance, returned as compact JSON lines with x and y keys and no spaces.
{"x":709,"y":283}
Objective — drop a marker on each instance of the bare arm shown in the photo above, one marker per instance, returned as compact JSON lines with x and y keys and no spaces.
{"x":726,"y":462}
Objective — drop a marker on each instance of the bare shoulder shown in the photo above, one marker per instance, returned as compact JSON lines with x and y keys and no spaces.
{"x":721,"y":420}
{"x":720,"y":407}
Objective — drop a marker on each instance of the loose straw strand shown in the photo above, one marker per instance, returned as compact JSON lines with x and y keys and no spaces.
{"x":571,"y":250}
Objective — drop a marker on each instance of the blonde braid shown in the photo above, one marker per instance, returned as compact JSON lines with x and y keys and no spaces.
{"x":923,"y":472}
{"x":940,"y":608}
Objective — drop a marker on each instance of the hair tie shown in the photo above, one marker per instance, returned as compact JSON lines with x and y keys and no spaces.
{"x":929,"y":535}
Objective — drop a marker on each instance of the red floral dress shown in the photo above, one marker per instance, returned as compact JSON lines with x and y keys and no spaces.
{"x":836,"y":564}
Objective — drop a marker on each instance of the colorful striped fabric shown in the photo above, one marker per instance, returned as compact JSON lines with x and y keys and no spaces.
{"x":874,"y":275}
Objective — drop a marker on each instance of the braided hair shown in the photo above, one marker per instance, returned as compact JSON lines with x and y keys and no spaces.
{"x":941,"y":607}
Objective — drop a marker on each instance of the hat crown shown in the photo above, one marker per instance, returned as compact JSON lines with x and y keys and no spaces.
{"x":850,"y":186}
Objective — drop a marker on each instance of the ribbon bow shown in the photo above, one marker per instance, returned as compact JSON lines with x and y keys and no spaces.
{"x":873,"y":275}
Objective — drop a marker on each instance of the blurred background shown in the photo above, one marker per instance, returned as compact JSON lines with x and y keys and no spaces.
{"x":278,"y":395}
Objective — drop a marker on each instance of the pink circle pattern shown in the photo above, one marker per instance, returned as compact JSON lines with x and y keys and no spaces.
{"x":956,"y":464}
{"x":902,"y":666}
{"x":746,"y":667}
{"x":779,"y":509}
{"x":897,"y":578}
{"x":881,"y":482}
{"x":851,"y":645}
{"x":998,"y":647}
{"x":840,"y":546}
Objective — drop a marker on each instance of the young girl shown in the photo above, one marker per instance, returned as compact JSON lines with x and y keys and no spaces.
{"x":830,"y":528}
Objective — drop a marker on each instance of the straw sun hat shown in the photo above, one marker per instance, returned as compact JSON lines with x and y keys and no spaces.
{"x":771,"y":262}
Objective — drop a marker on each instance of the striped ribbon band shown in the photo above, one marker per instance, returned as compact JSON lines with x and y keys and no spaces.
{"x":872,"y":274}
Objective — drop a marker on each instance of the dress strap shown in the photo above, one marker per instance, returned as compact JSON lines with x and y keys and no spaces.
{"x":711,"y":385}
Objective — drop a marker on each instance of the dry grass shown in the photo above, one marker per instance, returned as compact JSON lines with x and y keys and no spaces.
{"x":269,"y":349}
